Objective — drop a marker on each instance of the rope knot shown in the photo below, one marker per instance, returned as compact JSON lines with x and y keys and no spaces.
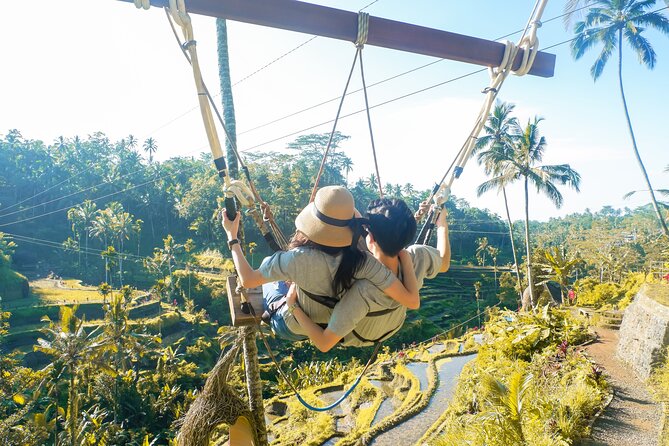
{"x":363,"y":29}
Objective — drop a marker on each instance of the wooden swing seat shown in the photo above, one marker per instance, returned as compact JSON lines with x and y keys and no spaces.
{"x":252,"y":295}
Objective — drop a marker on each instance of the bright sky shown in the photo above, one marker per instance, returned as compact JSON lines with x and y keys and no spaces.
{"x":74,"y":67}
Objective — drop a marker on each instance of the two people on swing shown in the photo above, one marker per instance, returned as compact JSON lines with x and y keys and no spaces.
{"x":339,"y":293}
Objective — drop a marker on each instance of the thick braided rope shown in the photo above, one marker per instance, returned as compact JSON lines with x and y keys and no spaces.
{"x":176,"y":13}
{"x":529,"y":43}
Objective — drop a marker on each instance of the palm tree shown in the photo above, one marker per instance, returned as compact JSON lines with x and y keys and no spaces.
{"x":82,"y":217}
{"x":150,"y":147}
{"x":558,"y":266}
{"x":481,"y":249}
{"x":612,"y":23}
{"x":121,"y":343}
{"x":497,"y":141}
{"x":124,"y":226}
{"x":528,"y":149}
{"x":347,"y":165}
{"x":226,"y":96}
{"x":71,"y":347}
{"x":508,"y":404}
{"x":131,"y":142}
{"x":102,"y":227}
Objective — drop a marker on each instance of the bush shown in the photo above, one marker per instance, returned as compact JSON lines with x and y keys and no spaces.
{"x":606,"y":295}
{"x":213,"y":259}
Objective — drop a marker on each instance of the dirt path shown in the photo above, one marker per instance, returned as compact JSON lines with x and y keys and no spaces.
{"x":632,"y":418}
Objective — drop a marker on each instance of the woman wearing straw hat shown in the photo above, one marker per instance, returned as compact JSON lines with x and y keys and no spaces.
{"x":323,"y":260}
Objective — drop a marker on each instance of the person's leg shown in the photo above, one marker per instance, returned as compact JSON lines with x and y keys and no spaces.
{"x":281,"y":330}
{"x":272,"y":294}
{"x":274,"y":300}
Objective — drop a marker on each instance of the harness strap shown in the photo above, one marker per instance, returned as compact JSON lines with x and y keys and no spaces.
{"x":377,"y":340}
{"x":327,"y":301}
{"x":331,"y":302}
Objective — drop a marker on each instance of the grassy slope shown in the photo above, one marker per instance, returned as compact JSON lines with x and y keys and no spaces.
{"x":12,"y":285}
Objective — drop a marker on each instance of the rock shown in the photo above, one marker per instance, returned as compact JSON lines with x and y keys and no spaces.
{"x":644,"y":333}
{"x":277,"y":408}
{"x":549,"y":293}
{"x":385,"y":371}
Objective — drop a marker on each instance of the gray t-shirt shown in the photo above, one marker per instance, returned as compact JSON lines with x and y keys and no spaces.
{"x":351,"y":318}
{"x":313,"y":270}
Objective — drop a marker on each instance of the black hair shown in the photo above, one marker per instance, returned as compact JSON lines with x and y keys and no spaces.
{"x":351,"y":261}
{"x":392,"y":224}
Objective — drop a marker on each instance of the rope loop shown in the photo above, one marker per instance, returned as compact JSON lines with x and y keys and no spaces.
{"x":179,"y":13}
{"x":530,"y":47}
{"x":142,"y":4}
{"x":240,"y":191}
{"x":363,"y":29}
{"x":507,"y":60}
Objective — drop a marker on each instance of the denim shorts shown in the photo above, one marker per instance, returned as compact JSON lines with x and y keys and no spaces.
{"x":274,"y":292}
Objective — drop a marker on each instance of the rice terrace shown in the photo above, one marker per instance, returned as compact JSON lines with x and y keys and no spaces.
{"x":320,"y":222}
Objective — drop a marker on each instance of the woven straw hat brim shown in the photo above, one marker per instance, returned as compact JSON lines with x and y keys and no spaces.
{"x":320,"y":232}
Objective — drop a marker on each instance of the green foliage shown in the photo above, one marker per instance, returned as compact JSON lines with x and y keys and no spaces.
{"x":520,"y":335}
{"x":527,"y":386}
{"x":659,"y":384}
{"x":316,"y":373}
{"x":608,"y":295}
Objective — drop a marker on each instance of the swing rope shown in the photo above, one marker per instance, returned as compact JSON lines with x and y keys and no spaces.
{"x":363,"y":30}
{"x":529,"y":43}
{"x":334,"y":129}
{"x":248,"y":195}
{"x":299,"y":397}
{"x":361,"y":39}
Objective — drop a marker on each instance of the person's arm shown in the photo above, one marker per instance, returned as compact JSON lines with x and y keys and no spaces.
{"x":405,"y":292}
{"x":443,"y":242}
{"x":323,"y":339}
{"x":249,"y":277}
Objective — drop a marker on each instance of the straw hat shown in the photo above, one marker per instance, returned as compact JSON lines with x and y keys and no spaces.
{"x":326,"y":220}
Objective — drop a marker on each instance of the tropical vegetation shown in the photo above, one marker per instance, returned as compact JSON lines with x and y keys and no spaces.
{"x":611,"y":24}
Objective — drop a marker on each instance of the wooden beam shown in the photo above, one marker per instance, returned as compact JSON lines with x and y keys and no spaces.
{"x":324,"y":21}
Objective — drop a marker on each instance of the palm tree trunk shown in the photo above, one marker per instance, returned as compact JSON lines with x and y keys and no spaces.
{"x":86,"y":257}
{"x":120,"y":262}
{"x":530,"y":282}
{"x":72,"y":409}
{"x":513,"y":245}
{"x":660,"y":218}
{"x":254,"y":383}
{"x":226,"y":96}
